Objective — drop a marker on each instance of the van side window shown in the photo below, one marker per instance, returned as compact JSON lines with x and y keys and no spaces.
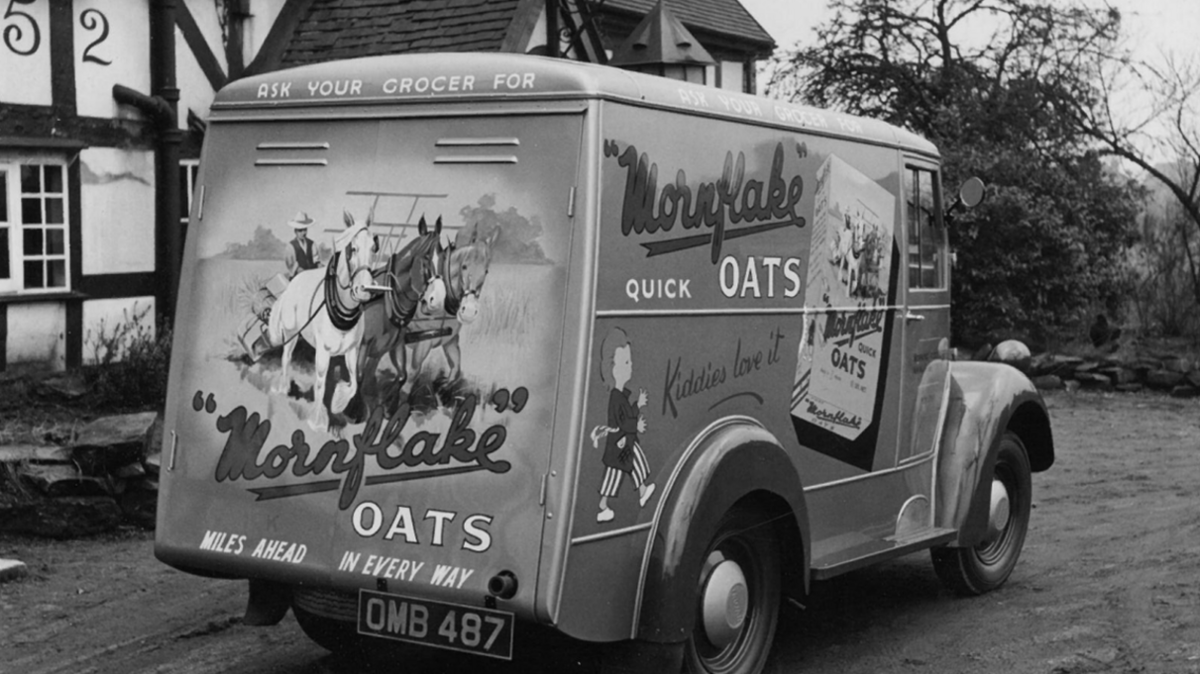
{"x":926,"y":237}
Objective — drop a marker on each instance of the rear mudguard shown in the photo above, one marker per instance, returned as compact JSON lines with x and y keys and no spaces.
{"x":986,"y":399}
{"x":736,"y":460}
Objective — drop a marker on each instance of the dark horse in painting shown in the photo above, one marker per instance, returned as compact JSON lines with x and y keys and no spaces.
{"x":415,"y":286}
{"x":465,"y":268}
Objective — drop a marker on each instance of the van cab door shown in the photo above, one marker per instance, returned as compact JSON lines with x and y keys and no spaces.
{"x":926,"y":317}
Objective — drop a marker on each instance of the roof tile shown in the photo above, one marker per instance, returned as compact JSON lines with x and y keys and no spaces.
{"x":338,"y":29}
{"x":334,"y":29}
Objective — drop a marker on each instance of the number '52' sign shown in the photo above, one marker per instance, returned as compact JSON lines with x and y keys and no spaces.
{"x":23,"y":36}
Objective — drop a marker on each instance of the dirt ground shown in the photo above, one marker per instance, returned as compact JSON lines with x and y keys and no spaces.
{"x":1109,"y":581}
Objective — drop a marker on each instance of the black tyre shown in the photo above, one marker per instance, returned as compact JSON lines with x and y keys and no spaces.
{"x":337,"y":636}
{"x":985,"y":567}
{"x":738,"y":597}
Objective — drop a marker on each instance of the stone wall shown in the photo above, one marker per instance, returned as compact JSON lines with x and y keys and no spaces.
{"x":108,"y":475}
{"x":1175,"y":375}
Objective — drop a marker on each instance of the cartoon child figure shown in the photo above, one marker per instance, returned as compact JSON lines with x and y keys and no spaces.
{"x":622,"y":452}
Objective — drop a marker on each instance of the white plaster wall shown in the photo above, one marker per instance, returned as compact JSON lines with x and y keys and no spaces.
{"x":25,"y":79}
{"x":205,"y":14}
{"x":126,"y":48}
{"x":258,"y":26}
{"x":732,"y":77}
{"x":37,"y":335}
{"x":194,"y":90}
{"x":109,"y":324}
{"x":538,"y":37}
{"x":117,"y":210}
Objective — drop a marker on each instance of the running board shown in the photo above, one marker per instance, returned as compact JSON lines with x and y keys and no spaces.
{"x":871,"y":552}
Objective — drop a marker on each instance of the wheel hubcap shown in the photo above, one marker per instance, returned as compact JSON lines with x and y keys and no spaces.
{"x":726,"y":603}
{"x":999,"y":511}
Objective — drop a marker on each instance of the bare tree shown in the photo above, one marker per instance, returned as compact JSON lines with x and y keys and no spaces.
{"x":1167,"y":125}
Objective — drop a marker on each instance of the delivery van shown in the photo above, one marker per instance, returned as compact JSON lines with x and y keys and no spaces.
{"x":470,"y":344}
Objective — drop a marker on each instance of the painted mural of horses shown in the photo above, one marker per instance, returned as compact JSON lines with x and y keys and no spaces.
{"x":464,"y":271}
{"x":415,"y":285}
{"x":324,"y":306}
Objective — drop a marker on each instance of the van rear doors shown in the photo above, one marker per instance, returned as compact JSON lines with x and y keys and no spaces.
{"x":429,"y":484}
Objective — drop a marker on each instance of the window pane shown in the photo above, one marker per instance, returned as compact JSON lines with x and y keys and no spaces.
{"x":54,"y":179}
{"x":33,"y":242}
{"x":914,"y":229}
{"x":58,"y":274}
{"x":931,"y":236}
{"x":31,"y":211}
{"x":56,"y":243}
{"x":34,"y":277}
{"x":5,"y":270}
{"x":185,"y":198}
{"x":54,"y":211}
{"x":31,"y":179}
{"x":3,"y":197}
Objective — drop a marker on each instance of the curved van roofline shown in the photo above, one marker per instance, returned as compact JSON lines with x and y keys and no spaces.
{"x":460,"y":77}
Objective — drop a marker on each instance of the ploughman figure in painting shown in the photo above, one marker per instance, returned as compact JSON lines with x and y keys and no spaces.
{"x":301,"y":255}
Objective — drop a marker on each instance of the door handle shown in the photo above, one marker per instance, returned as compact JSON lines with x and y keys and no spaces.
{"x":910,"y":316}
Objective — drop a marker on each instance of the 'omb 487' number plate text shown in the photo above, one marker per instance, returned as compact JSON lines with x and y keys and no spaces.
{"x":460,"y":628}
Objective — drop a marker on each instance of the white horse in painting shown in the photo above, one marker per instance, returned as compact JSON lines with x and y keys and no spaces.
{"x":323,"y":306}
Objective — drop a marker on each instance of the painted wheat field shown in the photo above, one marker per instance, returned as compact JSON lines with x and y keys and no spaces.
{"x":505,"y":347}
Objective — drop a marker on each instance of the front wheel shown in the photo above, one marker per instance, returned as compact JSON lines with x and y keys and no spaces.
{"x":738,"y":596}
{"x":985,"y":567}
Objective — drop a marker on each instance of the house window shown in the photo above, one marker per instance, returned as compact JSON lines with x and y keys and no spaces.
{"x":189,"y":171}
{"x":33,"y":227}
{"x":926,"y":237}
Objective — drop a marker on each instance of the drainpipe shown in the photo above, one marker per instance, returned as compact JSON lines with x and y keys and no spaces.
{"x":161,"y":109}
{"x":162,"y":54}
{"x":552,"y":29}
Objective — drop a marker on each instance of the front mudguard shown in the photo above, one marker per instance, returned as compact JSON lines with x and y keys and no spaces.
{"x":738,"y":461}
{"x":986,"y":399}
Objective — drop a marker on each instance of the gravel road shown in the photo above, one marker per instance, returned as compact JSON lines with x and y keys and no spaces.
{"x":1109,"y":582}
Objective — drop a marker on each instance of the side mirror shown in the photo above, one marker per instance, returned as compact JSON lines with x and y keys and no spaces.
{"x":970,"y":195}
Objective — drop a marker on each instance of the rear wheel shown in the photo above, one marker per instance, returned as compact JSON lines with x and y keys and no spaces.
{"x":985,"y":567}
{"x":328,"y":617}
{"x":737,"y":603}
{"x":337,"y":636}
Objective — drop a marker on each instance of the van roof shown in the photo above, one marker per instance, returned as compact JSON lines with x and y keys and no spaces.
{"x":475,"y":77}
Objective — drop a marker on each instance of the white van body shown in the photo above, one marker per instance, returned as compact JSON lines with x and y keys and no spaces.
{"x":621,"y":356}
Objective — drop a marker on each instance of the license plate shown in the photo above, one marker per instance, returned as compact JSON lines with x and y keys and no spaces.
{"x":459,"y":628}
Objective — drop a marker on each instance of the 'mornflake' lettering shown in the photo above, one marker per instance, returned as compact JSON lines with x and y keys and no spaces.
{"x":853,"y":325}
{"x":840,"y":418}
{"x":247,"y":435}
{"x":648,"y":210}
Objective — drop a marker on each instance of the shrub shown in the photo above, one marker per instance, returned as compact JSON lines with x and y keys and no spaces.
{"x":131,"y":362}
{"x":1165,"y":297}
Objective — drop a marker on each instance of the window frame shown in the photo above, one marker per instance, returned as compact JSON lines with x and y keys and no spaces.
{"x":14,"y":168}
{"x":915,"y":231}
{"x":10,"y":282}
{"x":190,"y":173}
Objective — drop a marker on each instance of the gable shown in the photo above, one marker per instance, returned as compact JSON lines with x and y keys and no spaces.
{"x":727,"y":18}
